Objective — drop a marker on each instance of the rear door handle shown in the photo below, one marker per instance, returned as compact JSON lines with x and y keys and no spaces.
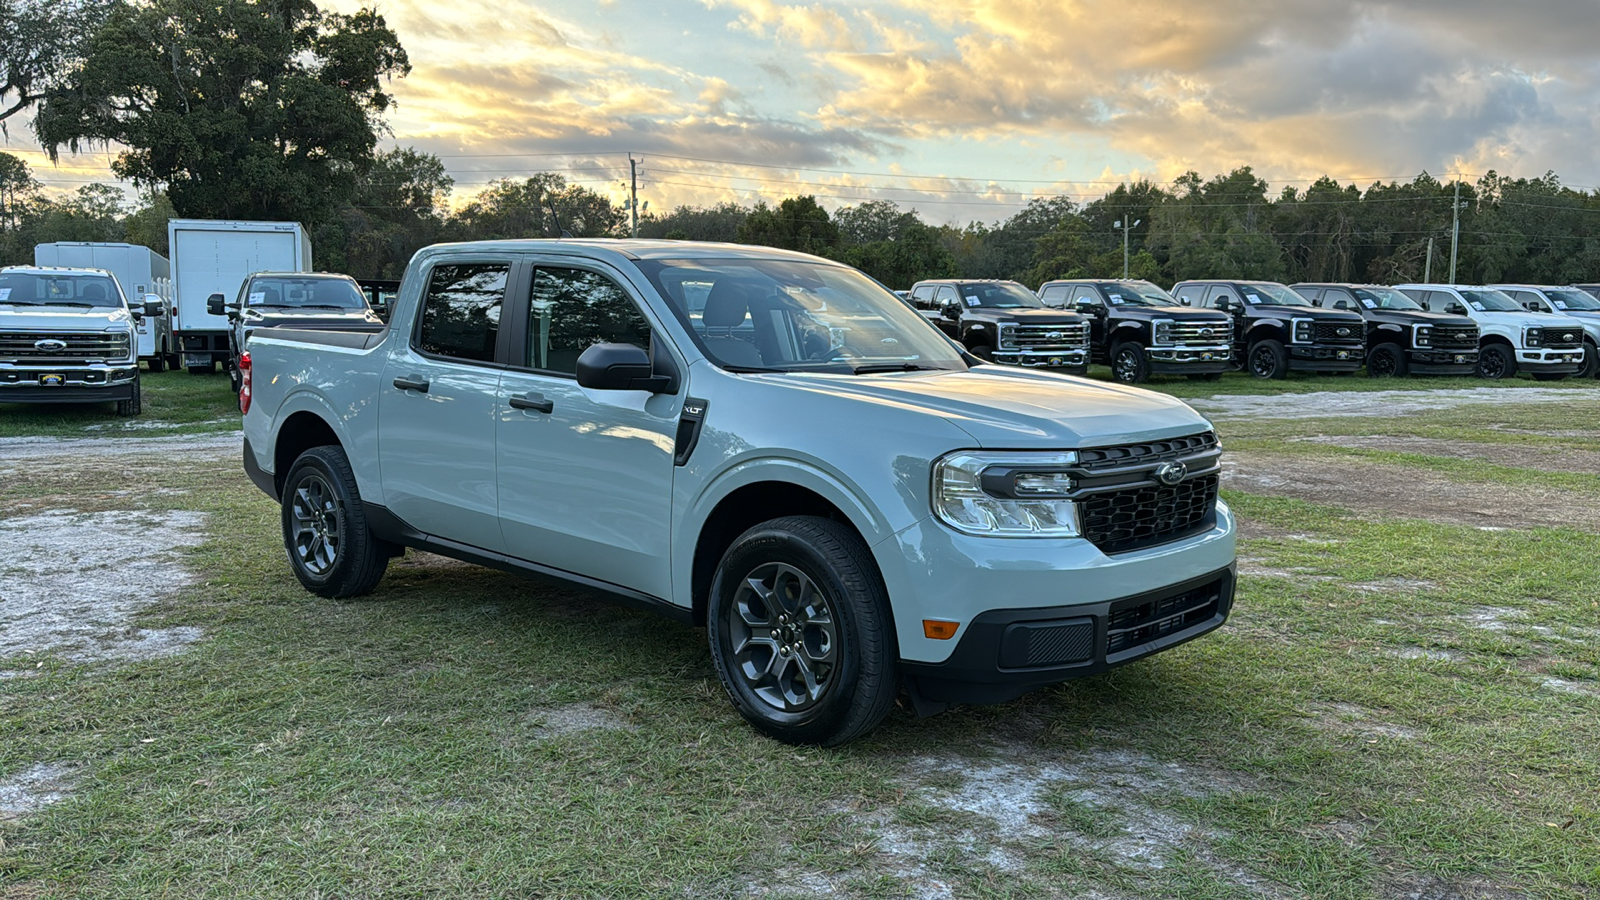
{"x":420,"y":385}
{"x":535,"y":402}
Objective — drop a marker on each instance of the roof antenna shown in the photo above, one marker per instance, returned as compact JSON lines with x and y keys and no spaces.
{"x":554,"y":215}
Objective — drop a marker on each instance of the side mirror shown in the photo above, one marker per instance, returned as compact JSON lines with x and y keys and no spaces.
{"x":1085,"y":305}
{"x":1184,"y":301}
{"x":1225,"y":304}
{"x":1456,"y":309}
{"x":626,"y":367}
{"x":154,"y":309}
{"x":214,"y":304}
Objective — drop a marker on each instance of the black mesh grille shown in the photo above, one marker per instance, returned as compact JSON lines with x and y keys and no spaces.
{"x":1097,"y":458}
{"x":1134,"y":625}
{"x":1147,"y":515}
{"x":1328,"y":332}
{"x":1455,"y":338}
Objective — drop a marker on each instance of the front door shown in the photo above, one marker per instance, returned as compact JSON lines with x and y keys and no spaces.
{"x":585,"y":476}
{"x":436,"y":407}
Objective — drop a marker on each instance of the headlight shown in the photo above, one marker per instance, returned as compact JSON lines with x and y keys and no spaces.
{"x":1163,"y":332}
{"x":1302,"y":331}
{"x":1423,"y":336}
{"x":1006,"y":494}
{"x":1008,"y":334}
{"x":1533,"y":337}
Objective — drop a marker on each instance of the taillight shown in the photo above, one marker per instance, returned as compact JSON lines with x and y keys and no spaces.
{"x":244,"y":382}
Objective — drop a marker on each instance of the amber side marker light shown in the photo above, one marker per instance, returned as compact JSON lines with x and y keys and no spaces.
{"x":939,"y":631}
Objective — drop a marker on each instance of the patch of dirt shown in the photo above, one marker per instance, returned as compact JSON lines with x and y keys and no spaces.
{"x":1544,"y":459}
{"x":72,"y":583}
{"x":1392,"y":404}
{"x":573,"y":718}
{"x":1423,"y":653}
{"x":1347,"y":718}
{"x":1432,"y":888}
{"x":33,"y":789}
{"x":1369,"y":488}
{"x":35,"y":453}
{"x":1571,"y":687}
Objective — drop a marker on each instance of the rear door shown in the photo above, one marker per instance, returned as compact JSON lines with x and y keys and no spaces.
{"x":584,"y":476}
{"x":437,"y":402}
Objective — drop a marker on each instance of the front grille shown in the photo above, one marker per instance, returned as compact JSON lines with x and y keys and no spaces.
{"x":1563,"y":338}
{"x":1096,"y":458}
{"x":1454,"y":337}
{"x":1328,"y":332}
{"x":1189,"y":334}
{"x":1049,"y":337}
{"x":82,"y":347}
{"x":1140,"y":623}
{"x":1147,"y":515}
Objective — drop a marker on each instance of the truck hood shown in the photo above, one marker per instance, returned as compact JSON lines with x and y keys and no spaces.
{"x":1029,"y":315}
{"x":1175,"y":313}
{"x":61,"y":318}
{"x":1007,"y":408}
{"x":1417,"y":317}
{"x":1521,"y":320}
{"x":1304,"y":312}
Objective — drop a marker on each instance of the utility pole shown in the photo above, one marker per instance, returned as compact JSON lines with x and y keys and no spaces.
{"x":633,"y":196}
{"x":1455,"y":229}
{"x":1427,"y":265}
{"x":1125,"y":225}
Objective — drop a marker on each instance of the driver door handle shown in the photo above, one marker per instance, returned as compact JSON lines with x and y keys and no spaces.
{"x":535,"y":402}
{"x":420,"y":385}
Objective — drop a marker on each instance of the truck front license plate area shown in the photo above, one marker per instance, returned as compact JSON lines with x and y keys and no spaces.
{"x":52,"y":380}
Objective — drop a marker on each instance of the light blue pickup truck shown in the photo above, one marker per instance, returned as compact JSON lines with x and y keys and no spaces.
{"x":763,"y":442}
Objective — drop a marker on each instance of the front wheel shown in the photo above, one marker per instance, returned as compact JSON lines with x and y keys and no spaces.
{"x":1496,"y":361}
{"x":800,"y":632}
{"x":1591,"y":362}
{"x":1268,"y":359}
{"x":982,"y":351}
{"x":1129,"y":364}
{"x":332,"y":549}
{"x":1386,"y":361}
{"x":134,"y":405}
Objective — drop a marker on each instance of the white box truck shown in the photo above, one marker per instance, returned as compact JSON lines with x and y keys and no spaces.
{"x":213,"y":256}
{"x":143,"y":274}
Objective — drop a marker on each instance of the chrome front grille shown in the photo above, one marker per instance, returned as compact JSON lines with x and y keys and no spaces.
{"x":1196,"y":334}
{"x":23,"y":347}
{"x":1048,"y":337}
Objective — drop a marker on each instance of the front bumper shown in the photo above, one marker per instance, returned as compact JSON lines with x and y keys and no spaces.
{"x":1558,"y":362}
{"x":1005,"y":653}
{"x":1326,"y":357}
{"x":1443,"y":362}
{"x":1188,"y":360}
{"x":1042,"y":358}
{"x":81,"y":384}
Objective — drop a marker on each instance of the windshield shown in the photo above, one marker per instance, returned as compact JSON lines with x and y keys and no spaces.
{"x":1385,"y":298}
{"x":1136,"y":293}
{"x":319,"y":293}
{"x":997,"y":295}
{"x":37,"y":289}
{"x":1573,"y":299}
{"x":1484,"y":300}
{"x":780,"y":315}
{"x":1272,"y":294}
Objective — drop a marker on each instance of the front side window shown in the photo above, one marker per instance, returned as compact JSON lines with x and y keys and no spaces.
{"x":1221,"y":292}
{"x":86,"y":291}
{"x":574,"y":309}
{"x":461,"y":312}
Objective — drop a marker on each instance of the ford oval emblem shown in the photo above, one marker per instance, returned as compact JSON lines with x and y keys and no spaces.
{"x":1171,"y":473}
{"x":50,"y":345}
{"x":1568,"y":336}
{"x":1206,"y":332}
{"x":1054,"y":336}
{"x":1343,"y":332}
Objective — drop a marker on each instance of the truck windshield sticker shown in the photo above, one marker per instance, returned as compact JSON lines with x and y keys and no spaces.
{"x":1560,"y":304}
{"x":5,"y":294}
{"x":971,"y":300}
{"x":257,"y":297}
{"x":1252,"y":298}
{"x":1477,"y":306}
{"x":1369,"y":304}
{"x":1116,"y":299}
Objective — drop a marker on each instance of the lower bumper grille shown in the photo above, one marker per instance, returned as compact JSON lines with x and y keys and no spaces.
{"x":1137,"y":624}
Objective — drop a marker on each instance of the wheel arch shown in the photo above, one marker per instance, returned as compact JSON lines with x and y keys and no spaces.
{"x":300,"y":431}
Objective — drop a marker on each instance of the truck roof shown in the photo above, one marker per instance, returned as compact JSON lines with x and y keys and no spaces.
{"x":634,"y":248}
{"x":59,"y":270}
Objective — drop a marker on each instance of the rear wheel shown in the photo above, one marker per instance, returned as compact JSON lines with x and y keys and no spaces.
{"x":331,"y":547}
{"x":1496,"y":361}
{"x":1129,"y":364}
{"x":1387,"y":361}
{"x":1268,"y":359}
{"x":158,"y":362}
{"x":800,"y":632}
{"x":134,"y":404}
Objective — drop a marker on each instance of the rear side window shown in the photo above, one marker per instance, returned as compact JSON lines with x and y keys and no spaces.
{"x":461,"y":312}
{"x":574,"y":309}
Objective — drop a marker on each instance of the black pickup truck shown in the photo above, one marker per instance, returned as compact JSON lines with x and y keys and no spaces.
{"x":1277,"y":331}
{"x":1002,"y":322}
{"x":318,"y":300}
{"x":1402,"y":337}
{"x":1140,"y":330}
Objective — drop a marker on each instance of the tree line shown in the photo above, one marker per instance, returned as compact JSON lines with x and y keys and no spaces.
{"x":273,"y":109}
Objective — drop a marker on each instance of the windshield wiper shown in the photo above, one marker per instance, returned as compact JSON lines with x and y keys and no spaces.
{"x":73,"y":303}
{"x":321,"y":306}
{"x":893,"y":367}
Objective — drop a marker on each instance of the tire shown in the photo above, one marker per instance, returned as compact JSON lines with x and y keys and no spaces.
{"x":209,"y":368}
{"x":1549,"y":376}
{"x":157,"y":363}
{"x":321,"y":501}
{"x":982,"y":351}
{"x":1591,"y":361}
{"x":1267,"y":359}
{"x":1205,"y":376}
{"x":133,"y":405}
{"x":1496,"y":361}
{"x":802,"y":594}
{"x":1387,"y":361}
{"x":174,"y":361}
{"x":1129,"y":363}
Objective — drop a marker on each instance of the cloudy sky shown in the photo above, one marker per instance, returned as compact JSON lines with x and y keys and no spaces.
{"x":964,"y":109}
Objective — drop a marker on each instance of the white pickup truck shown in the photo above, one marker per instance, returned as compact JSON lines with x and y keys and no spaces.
{"x":763,"y":442}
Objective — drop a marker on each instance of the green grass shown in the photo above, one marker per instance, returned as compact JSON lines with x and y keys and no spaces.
{"x":408,"y":744}
{"x":175,"y":402}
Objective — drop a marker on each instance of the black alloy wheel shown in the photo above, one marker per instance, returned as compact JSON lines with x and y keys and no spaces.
{"x":1268,"y":359}
{"x":331,"y":548}
{"x":1496,"y":361}
{"x":1129,"y":363}
{"x":1386,"y":361}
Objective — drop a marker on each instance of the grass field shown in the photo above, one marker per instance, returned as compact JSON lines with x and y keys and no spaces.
{"x":1406,"y":703}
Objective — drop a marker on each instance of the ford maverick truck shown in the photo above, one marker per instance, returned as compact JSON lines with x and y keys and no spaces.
{"x":1511,"y":339}
{"x":67,"y":336}
{"x":762,"y":442}
{"x":1001,"y":321}
{"x":1140,"y":330}
{"x":1277,"y":331}
{"x":1402,"y":337}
